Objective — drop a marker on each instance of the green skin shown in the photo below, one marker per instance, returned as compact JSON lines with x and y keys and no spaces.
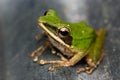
{"x":85,"y":40}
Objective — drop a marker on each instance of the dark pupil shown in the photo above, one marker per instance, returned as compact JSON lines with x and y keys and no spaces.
{"x":64,"y":33}
{"x":45,"y":13}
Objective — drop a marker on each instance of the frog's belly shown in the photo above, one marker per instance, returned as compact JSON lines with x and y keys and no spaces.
{"x":65,"y":50}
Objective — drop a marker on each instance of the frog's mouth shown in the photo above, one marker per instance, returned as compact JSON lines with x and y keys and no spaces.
{"x":56,"y":41}
{"x":52,"y":34}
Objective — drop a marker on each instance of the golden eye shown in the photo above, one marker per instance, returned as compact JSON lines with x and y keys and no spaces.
{"x":63,"y":32}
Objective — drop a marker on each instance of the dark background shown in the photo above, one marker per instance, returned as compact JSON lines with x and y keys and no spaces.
{"x":18,"y":26}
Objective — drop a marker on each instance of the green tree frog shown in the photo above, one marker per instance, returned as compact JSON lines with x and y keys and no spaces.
{"x":74,"y":40}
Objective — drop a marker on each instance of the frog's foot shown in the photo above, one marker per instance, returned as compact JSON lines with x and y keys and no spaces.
{"x":86,"y":69}
{"x":91,"y":65}
{"x":35,"y":54}
{"x":89,"y":68}
{"x":58,"y":63}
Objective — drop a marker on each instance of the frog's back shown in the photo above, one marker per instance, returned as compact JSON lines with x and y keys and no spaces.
{"x":83,"y":35}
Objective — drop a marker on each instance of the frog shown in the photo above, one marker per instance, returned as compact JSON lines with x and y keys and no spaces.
{"x":75,"y":41}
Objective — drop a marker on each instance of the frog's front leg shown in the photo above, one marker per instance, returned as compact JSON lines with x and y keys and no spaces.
{"x":65,"y":62}
{"x":96,"y":53}
{"x":35,"y":54}
{"x":58,"y":63}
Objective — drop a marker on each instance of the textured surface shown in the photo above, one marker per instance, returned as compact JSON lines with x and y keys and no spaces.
{"x":18,"y":26}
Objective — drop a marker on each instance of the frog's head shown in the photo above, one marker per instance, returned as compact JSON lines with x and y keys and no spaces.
{"x":56,"y":26}
{"x":78,"y":35}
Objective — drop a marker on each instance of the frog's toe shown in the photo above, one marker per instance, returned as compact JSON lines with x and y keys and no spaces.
{"x":52,"y":68}
{"x":88,"y":70}
{"x":35,"y":59}
{"x":53,"y":51}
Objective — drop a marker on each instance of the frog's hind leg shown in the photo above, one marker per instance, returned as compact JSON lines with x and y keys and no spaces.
{"x":35,"y":54}
{"x":96,"y":53}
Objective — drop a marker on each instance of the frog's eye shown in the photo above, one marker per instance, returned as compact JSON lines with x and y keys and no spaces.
{"x":63,"y":32}
{"x":45,"y":13}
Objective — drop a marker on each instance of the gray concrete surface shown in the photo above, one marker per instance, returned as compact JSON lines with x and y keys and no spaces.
{"x":18,"y":26}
